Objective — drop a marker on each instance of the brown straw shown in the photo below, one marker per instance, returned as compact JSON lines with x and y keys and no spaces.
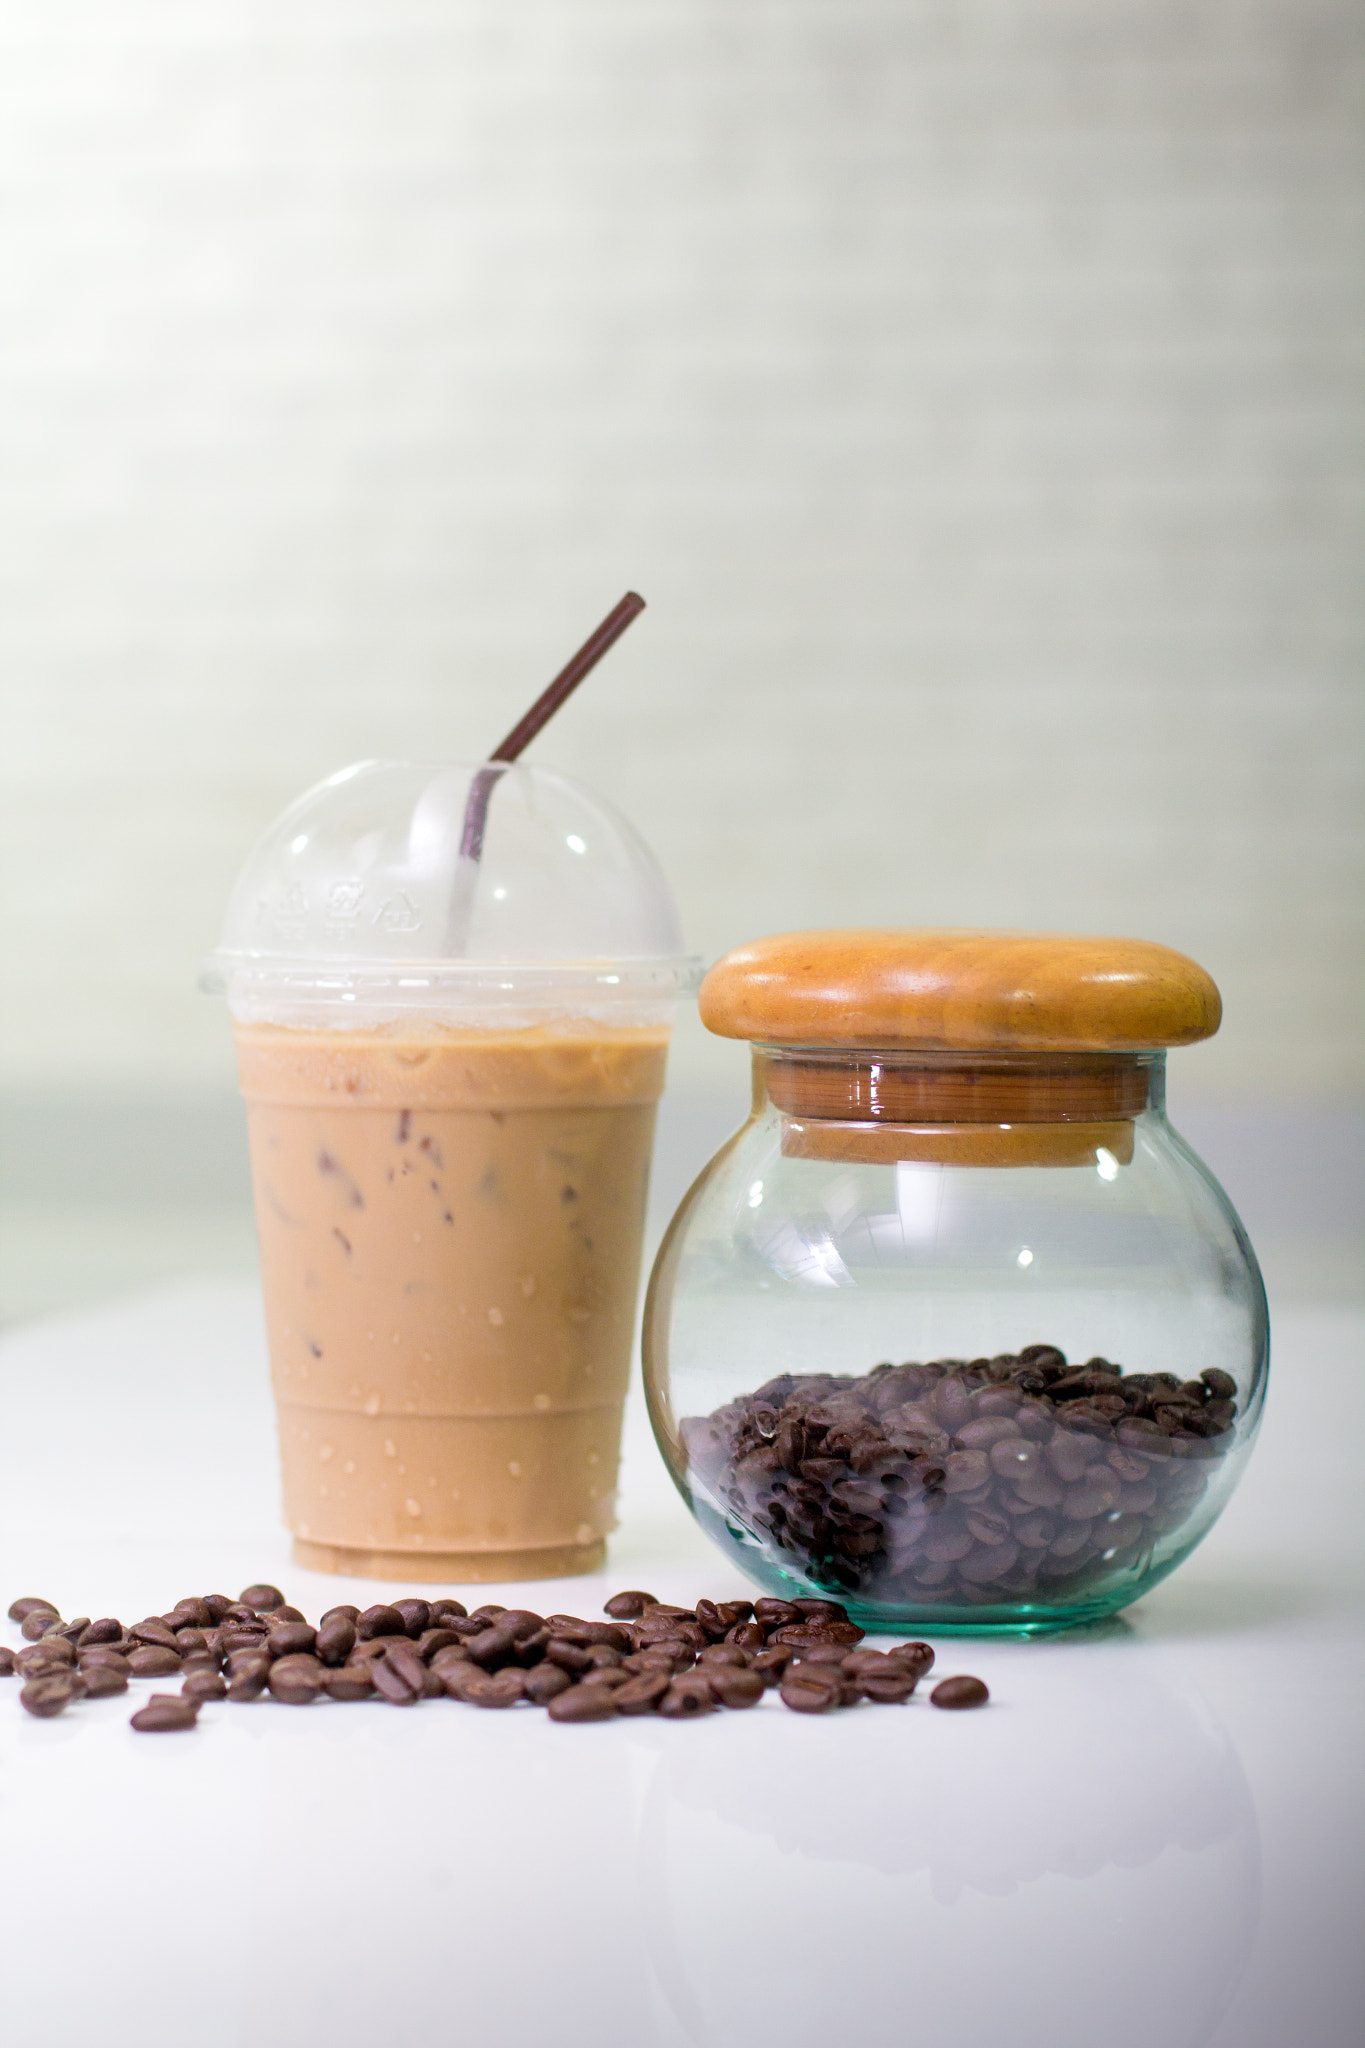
{"x":569,"y":677}
{"x":520,"y":737}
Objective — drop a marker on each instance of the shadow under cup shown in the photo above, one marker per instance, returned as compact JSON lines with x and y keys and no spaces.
{"x":451,"y":1223}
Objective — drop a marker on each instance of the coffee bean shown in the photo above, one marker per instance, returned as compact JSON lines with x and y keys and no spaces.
{"x":402,"y":1654}
{"x":217,"y":1605}
{"x":203,"y":1685}
{"x":105,"y":1631}
{"x":568,"y":1628}
{"x":48,"y":1694}
{"x":29,"y":1603}
{"x":379,"y":1621}
{"x":283,"y":1613}
{"x":106,"y":1656}
{"x":621,"y":1606}
{"x":261,"y":1599}
{"x":230,"y":1640}
{"x":394,"y":1685}
{"x":434,"y":1639}
{"x":748,"y":1635}
{"x":149,"y":1660}
{"x":496,"y":1688}
{"x":335,"y":1638}
{"x":295,"y":1681}
{"x":51,"y":1650}
{"x":722,"y":1653}
{"x":192,"y":1612}
{"x":443,"y":1612}
{"x":733,"y":1687}
{"x":6,"y":1662}
{"x":959,"y":1692}
{"x":249,"y":1683}
{"x":164,"y":1713}
{"x":351,"y":1614}
{"x":37,"y":1622}
{"x":156,"y":1635}
{"x":545,"y":1683}
{"x":685,"y":1699}
{"x":291,"y":1638}
{"x":801,"y":1634}
{"x":775,"y":1613}
{"x":416,"y":1616}
{"x":887,"y":1688}
{"x":189,"y":1641}
{"x":642,"y":1693}
{"x":772,"y":1664}
{"x":349,"y":1682}
{"x":101,"y":1676}
{"x":583,"y":1703}
{"x":811,"y":1689}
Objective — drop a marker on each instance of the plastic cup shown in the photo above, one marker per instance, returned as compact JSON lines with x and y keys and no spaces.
{"x":450,"y":1156}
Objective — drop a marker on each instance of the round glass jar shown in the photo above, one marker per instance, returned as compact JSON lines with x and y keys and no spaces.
{"x":956,"y":1329}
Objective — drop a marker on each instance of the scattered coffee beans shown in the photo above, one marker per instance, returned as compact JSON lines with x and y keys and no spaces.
{"x":962,"y":1482}
{"x":649,"y":1658}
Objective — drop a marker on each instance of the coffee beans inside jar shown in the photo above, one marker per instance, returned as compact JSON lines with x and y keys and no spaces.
{"x":647,"y":1657}
{"x":1019,"y":1477}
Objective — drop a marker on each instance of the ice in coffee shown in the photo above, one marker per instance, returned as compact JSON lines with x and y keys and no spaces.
{"x":450,"y":1187}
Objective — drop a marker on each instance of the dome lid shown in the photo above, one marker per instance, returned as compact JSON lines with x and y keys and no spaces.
{"x":410,"y":885}
{"x":960,"y":990}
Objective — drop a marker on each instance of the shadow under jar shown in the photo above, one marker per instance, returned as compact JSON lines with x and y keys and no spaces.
{"x":956,"y":1328}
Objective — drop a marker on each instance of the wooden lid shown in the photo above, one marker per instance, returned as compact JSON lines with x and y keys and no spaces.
{"x":962,"y":990}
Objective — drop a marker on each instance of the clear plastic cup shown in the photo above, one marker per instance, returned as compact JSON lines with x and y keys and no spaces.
{"x":451,"y":1061}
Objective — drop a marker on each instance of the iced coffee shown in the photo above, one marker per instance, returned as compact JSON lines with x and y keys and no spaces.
{"x":450,"y":1225}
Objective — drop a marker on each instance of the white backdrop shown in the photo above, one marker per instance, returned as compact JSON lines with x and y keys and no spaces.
{"x":972,"y":387}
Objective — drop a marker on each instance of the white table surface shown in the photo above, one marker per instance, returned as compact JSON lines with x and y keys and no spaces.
{"x":1154,"y":1834}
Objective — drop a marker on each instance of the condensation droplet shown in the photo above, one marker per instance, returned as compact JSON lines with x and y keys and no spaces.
{"x":390,"y":1448}
{"x":414,"y":1507}
{"x":527,"y":1284}
{"x":514,"y":1468}
{"x":372,"y":1404}
{"x":541,"y":1401}
{"x":583,"y":1534}
{"x":495,"y":1317}
{"x":593,"y":1458}
{"x":326,"y":1452}
{"x":349,"y":1466}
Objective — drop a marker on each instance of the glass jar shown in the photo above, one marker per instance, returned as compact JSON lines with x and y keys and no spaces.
{"x":962,"y":1335}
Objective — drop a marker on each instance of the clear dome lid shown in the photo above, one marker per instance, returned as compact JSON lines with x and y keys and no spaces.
{"x":400,"y":886}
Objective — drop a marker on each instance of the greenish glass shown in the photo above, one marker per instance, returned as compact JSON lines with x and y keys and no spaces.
{"x":779,"y":1265}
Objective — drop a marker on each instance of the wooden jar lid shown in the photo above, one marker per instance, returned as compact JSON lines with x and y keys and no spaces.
{"x":960,"y":991}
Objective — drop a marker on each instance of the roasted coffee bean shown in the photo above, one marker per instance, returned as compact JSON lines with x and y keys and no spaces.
{"x":889,"y":1688}
{"x":348,"y":1682}
{"x":489,"y":1611}
{"x":416,"y":1616}
{"x":734,"y":1687}
{"x":164,"y":1713}
{"x":811,"y":1689}
{"x":748,"y":1635}
{"x":105,"y":1631}
{"x":402,"y":1654}
{"x":959,"y":1692}
{"x":6,"y":1661}
{"x":261,"y":1599}
{"x":446,"y":1659}
{"x":295,"y":1681}
{"x":48,"y":1694}
{"x":722,"y":1653}
{"x":621,"y":1606}
{"x":193,"y":1613}
{"x":217,"y":1605}
{"x":156,"y":1635}
{"x":203,"y":1685}
{"x":375,"y":1646}
{"x":615,"y":1634}
{"x":642,"y":1693}
{"x":37,"y":1622}
{"x":149,"y":1660}
{"x":802,"y":1634}
{"x":496,"y":1688}
{"x":291,"y":1639}
{"x":50,"y":1651}
{"x":545,"y":1682}
{"x":775,"y":1613}
{"x":434,"y":1639}
{"x":190,"y":1641}
{"x":104,"y":1654}
{"x":284,"y":1613}
{"x":583,"y":1703}
{"x":456,"y":1677}
{"x":379,"y":1621}
{"x":335,"y":1638}
{"x":685,"y":1699}
{"x":443,"y":1612}
{"x":248,"y":1684}
{"x":101,"y":1677}
{"x":347,"y":1613}
{"x":772,"y":1665}
{"x":394,"y":1684}
{"x":496,"y":1644}
{"x":29,"y":1603}
{"x":614,"y":1675}
{"x":667,"y":1629}
{"x":74,"y":1630}
{"x":230,"y":1640}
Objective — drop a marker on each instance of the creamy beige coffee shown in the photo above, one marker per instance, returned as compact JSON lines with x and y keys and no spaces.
{"x":450,"y":1227}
